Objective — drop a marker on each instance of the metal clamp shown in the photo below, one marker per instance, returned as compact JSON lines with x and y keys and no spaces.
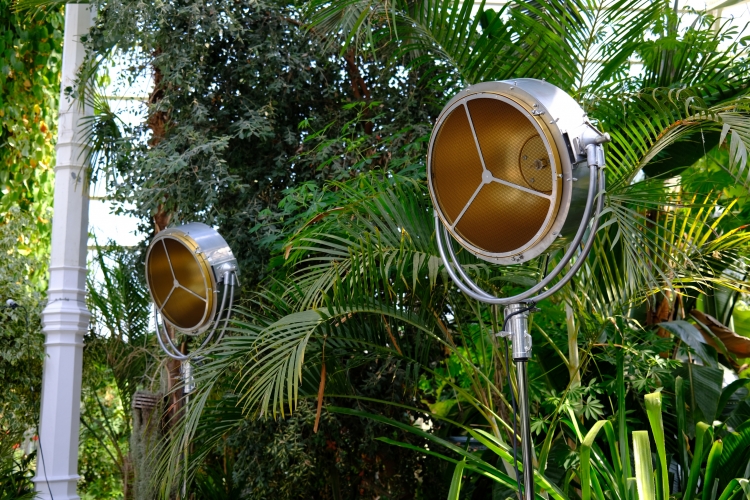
{"x":518,"y":326}
{"x":186,"y":370}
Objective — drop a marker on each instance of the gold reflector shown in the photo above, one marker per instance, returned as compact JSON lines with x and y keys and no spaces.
{"x":500,"y":207}
{"x":180,"y":281}
{"x":502,"y":131}
{"x":460,"y":171}
{"x":493,"y":172}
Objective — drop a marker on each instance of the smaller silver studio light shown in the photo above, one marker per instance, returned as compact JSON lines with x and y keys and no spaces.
{"x":515,"y":169}
{"x":191,"y":275}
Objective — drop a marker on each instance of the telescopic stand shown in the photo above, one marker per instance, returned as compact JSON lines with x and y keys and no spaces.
{"x":517,"y":329}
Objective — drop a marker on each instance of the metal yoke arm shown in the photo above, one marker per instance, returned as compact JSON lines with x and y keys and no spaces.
{"x":597,"y":184}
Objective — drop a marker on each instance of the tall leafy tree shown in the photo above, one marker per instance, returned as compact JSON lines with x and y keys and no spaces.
{"x":241,"y":93}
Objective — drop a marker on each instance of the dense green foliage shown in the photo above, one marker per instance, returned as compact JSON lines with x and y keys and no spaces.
{"x":15,"y":469}
{"x":21,"y":343}
{"x":21,"y":353}
{"x":288,"y":460}
{"x":30,"y":59}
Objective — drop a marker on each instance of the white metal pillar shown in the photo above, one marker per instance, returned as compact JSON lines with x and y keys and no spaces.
{"x":66,"y":317}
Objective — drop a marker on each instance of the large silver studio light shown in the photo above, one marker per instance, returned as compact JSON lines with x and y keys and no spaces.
{"x":515,"y":169}
{"x":191,"y":274}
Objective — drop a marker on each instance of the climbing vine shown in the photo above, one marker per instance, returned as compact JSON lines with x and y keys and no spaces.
{"x":30,"y":61}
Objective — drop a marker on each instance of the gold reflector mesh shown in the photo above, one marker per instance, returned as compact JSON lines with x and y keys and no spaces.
{"x":178,"y":282}
{"x":184,"y":310}
{"x":505,"y":205}
{"x":502,"y":131}
{"x":457,"y":169}
{"x":502,"y":218}
{"x":160,"y":275}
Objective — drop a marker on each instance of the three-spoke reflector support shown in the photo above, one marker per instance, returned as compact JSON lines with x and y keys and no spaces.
{"x":184,"y":267}
{"x":503,"y":162}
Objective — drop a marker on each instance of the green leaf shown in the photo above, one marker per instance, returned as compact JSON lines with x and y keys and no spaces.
{"x":585,"y":457}
{"x":653,"y":409}
{"x":681,"y":434}
{"x":735,"y":454}
{"x":703,"y":434}
{"x":726,"y":397}
{"x":690,"y":334}
{"x":458,"y":472}
{"x":712,"y":466}
{"x":705,"y":389}
{"x":622,"y":426}
{"x":644,"y":471}
{"x":734,"y":486}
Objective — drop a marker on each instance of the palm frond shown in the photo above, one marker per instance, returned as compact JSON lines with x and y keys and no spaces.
{"x":37,"y":6}
{"x":119,"y":301}
{"x":441,"y":37}
{"x":654,"y":240}
{"x":645,"y":124}
{"x":709,"y":51}
{"x":587,"y":43}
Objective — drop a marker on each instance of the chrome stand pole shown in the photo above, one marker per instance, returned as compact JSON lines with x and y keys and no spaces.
{"x":523,"y":400}
{"x":188,"y":387}
{"x":517,"y":327}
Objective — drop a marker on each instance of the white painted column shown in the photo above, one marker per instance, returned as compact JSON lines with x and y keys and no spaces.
{"x":66,"y":317}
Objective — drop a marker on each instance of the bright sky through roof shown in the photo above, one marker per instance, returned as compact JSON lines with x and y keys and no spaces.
{"x":128,"y":103}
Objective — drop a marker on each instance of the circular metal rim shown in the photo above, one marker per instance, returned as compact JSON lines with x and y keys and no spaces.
{"x":559,"y":202}
{"x":209,"y":280}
